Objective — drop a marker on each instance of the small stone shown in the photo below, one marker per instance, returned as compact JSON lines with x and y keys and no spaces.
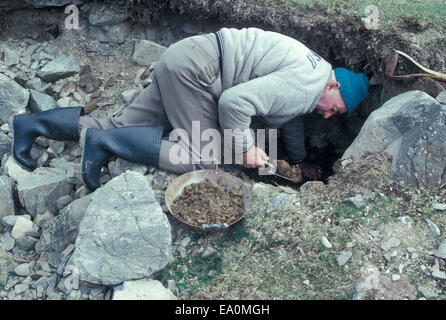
{"x":171,"y":285}
{"x":63,"y":201}
{"x":41,"y":282}
{"x":182,"y":268}
{"x":21,"y":227}
{"x":343,"y":257}
{"x":441,"y":251}
{"x":347,"y":221}
{"x":209,"y":251}
{"x":7,"y":241}
{"x":306,"y":282}
{"x":425,"y":292}
{"x":43,"y":218}
{"x":326,"y":243}
{"x":185,"y":242}
{"x":433,"y":227}
{"x":405,"y":220}
{"x":20,"y":288}
{"x":396,"y":277}
{"x":357,"y":201}
{"x":411,"y":249}
{"x":441,"y":97}
{"x":391,"y":243}
{"x":22,"y":270}
{"x":67,"y":251}
{"x":128,"y":95}
{"x":439,"y":206}
{"x":39,"y":292}
{"x":439,"y":275}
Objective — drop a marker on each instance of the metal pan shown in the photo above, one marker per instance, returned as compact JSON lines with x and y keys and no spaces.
{"x":176,"y":188}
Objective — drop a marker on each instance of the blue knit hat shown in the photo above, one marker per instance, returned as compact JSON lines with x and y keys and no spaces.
{"x":354,"y":87}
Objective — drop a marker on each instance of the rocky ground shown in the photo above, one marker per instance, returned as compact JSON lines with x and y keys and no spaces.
{"x":358,"y":236}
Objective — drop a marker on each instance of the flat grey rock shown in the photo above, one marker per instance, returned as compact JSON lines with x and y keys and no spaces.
{"x":142,"y":289}
{"x":13,"y":98}
{"x":59,"y":68}
{"x":147,"y":52}
{"x":7,"y":204}
{"x":433,"y":227}
{"x":343,"y":257}
{"x":441,"y":251}
{"x":39,"y":190}
{"x":391,"y":243}
{"x":124,"y":234}
{"x":41,"y":102}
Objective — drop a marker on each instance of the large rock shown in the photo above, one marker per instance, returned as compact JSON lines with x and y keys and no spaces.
{"x":410,"y":127}
{"x":59,"y":68}
{"x":7,"y":204}
{"x":142,"y":289}
{"x":39,"y":190}
{"x":62,"y":230}
{"x":124,"y":234}
{"x":41,"y":102}
{"x":147,"y":52}
{"x":13,"y":98}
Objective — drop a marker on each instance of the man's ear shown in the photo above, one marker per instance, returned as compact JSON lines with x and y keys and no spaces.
{"x":333,"y":85}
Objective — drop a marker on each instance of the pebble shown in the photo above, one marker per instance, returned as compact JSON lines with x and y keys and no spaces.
{"x":22,"y":270}
{"x":357,"y":201}
{"x":182,"y":268}
{"x":396,"y":277}
{"x":391,"y":243}
{"x":7,"y":241}
{"x":21,"y":227}
{"x":439,"y":275}
{"x":405,"y":220}
{"x":20,"y":288}
{"x":326,"y":243}
{"x":343,"y":257}
{"x":425,"y":292}
{"x":441,"y":251}
{"x":171,"y":285}
{"x":439,"y":206}
{"x":9,"y":221}
{"x":209,"y":251}
{"x":185,"y":242}
{"x":433,"y":227}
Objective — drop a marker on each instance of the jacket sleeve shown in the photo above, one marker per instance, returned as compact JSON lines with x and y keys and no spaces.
{"x":270,"y":94}
{"x":293,"y":138}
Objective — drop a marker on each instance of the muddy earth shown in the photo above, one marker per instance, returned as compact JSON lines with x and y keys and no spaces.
{"x":291,"y":172}
{"x":209,"y":203}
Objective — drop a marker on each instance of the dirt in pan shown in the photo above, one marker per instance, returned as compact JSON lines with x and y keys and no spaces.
{"x":209,"y":203}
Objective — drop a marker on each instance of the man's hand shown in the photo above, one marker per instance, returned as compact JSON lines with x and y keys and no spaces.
{"x":254,"y":158}
{"x":310,"y":171}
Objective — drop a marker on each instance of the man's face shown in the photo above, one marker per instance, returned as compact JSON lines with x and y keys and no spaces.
{"x":331,"y":102}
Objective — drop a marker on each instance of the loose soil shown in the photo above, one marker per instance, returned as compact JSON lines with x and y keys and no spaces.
{"x":292,"y":172}
{"x":209,"y":203}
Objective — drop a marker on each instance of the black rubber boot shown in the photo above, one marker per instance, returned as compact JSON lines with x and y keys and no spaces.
{"x":57,"y":124}
{"x":135,"y":144}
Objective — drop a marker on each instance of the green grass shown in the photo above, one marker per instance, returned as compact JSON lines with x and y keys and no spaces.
{"x":425,"y":18}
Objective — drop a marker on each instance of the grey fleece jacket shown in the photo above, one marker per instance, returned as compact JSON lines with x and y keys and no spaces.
{"x":268,"y":75}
